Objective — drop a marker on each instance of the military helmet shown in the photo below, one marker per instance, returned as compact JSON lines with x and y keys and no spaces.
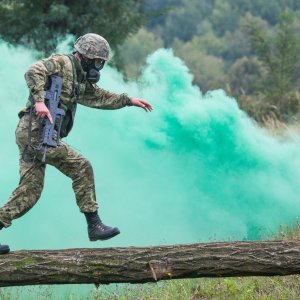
{"x":92,"y":46}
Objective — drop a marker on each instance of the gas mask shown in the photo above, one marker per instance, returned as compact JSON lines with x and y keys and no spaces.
{"x":92,"y":68}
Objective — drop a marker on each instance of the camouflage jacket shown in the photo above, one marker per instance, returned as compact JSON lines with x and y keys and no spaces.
{"x":75,"y":88}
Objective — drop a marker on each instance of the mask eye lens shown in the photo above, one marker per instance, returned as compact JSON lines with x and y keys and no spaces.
{"x":99,"y":63}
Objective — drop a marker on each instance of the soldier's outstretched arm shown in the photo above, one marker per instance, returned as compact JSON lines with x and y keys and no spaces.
{"x":99,"y":98}
{"x":96,"y":97}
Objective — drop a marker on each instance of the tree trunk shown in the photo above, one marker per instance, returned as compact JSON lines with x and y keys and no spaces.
{"x":146,"y":264}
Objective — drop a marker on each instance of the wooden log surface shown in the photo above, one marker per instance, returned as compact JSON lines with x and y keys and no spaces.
{"x":148,"y":264}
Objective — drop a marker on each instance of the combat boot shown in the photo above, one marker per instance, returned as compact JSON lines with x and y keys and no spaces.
{"x":3,"y":248}
{"x":97,"y":230}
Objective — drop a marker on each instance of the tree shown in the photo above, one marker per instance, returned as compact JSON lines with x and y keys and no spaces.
{"x":279,"y":54}
{"x":244,"y":75}
{"x":267,"y":10}
{"x":158,"y":10}
{"x":224,"y":17}
{"x":182,"y":22}
{"x":208,"y":70}
{"x":135,"y":50}
{"x":42,"y":23}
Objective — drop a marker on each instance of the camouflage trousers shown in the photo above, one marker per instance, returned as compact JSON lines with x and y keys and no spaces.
{"x":32,"y":173}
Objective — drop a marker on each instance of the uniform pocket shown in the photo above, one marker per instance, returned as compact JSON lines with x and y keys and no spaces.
{"x":22,"y":131}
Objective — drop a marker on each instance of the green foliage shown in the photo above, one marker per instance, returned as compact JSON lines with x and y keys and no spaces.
{"x":135,"y":50}
{"x":237,"y":41}
{"x":268,"y":10}
{"x":41,"y":23}
{"x":244,"y":76}
{"x":279,"y":53}
{"x":207,"y":69}
{"x":157,"y":10}
{"x":182,"y":22}
{"x":184,"y":18}
{"x":209,"y":43}
{"x":224,"y":17}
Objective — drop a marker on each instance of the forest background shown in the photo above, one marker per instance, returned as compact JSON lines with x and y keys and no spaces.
{"x":248,"y":48}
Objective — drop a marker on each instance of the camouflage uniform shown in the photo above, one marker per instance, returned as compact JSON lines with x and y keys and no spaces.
{"x":75,"y":89}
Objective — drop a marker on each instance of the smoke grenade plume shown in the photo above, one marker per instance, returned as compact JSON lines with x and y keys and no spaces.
{"x":195,"y":169}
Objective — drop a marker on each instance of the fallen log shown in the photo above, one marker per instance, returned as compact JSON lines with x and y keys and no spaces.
{"x":149,"y":264}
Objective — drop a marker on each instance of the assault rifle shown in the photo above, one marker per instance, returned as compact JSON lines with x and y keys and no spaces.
{"x":51,"y":132}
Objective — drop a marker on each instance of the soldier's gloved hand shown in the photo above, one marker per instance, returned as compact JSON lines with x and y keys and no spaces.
{"x":141,"y":103}
{"x":42,"y":111}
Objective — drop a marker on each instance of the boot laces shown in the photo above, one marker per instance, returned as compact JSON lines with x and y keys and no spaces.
{"x":102,"y":226}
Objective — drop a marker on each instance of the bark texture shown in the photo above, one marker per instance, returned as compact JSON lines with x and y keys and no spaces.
{"x":146,"y":264}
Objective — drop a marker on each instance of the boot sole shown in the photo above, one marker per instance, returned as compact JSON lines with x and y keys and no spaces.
{"x":105,"y":238}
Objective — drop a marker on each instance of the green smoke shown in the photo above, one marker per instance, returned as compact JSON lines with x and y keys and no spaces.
{"x":195,"y":169}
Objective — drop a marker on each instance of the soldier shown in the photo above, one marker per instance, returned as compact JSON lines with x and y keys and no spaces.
{"x":80,"y":72}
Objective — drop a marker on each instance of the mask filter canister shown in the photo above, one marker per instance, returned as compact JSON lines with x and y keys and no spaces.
{"x":92,"y":67}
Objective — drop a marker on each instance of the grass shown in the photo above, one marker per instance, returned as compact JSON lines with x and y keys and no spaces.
{"x":240,"y":288}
